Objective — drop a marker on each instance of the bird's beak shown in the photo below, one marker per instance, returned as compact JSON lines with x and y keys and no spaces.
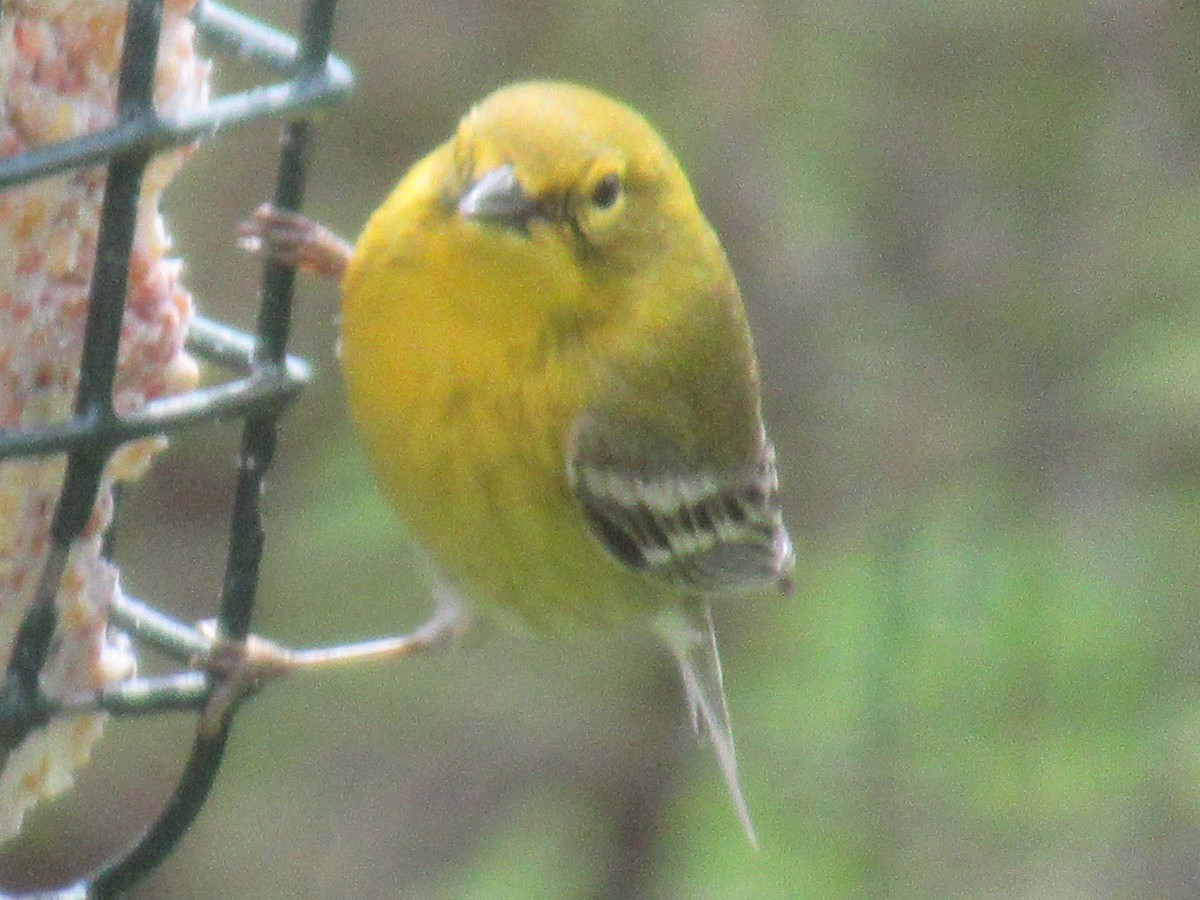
{"x":498,"y":198}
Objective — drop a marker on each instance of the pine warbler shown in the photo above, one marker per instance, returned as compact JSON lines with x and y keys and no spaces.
{"x":548,"y":362}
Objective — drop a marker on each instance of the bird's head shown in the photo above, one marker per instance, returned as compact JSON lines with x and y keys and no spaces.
{"x":574,"y":177}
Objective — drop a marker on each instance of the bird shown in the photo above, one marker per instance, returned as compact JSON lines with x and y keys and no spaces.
{"x":548,"y":362}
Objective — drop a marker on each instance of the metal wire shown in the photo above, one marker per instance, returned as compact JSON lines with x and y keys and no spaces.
{"x":269,"y":378}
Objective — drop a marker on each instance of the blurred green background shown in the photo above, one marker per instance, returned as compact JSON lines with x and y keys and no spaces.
{"x":968,"y":239}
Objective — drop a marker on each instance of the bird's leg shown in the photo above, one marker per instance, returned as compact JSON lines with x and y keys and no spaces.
{"x":223,"y":671}
{"x":241,"y":667}
{"x":292,"y":239}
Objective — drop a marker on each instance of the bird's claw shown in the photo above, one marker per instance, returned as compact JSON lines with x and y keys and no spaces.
{"x":238,"y":669}
{"x":292,"y":239}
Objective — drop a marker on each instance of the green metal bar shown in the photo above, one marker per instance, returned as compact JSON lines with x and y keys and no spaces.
{"x":110,"y":275}
{"x":251,"y":39}
{"x":274,"y":321}
{"x":181,"y":692}
{"x":176,"y":640}
{"x":268,"y":388}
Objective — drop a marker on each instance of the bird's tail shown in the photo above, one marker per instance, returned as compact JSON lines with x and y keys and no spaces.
{"x":694,"y":646}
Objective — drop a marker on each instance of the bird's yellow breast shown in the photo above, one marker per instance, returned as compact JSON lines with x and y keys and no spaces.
{"x":465,"y":409}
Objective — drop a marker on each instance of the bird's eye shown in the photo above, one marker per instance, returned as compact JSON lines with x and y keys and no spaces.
{"x":606,"y":191}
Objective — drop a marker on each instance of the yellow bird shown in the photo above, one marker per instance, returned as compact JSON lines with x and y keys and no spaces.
{"x":548,"y":362}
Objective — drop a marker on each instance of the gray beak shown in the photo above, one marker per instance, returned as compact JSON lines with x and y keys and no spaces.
{"x":498,"y":198}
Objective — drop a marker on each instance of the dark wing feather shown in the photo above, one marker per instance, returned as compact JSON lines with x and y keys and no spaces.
{"x":709,"y":532}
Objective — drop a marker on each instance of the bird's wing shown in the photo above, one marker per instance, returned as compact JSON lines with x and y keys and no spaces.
{"x":710,"y":531}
